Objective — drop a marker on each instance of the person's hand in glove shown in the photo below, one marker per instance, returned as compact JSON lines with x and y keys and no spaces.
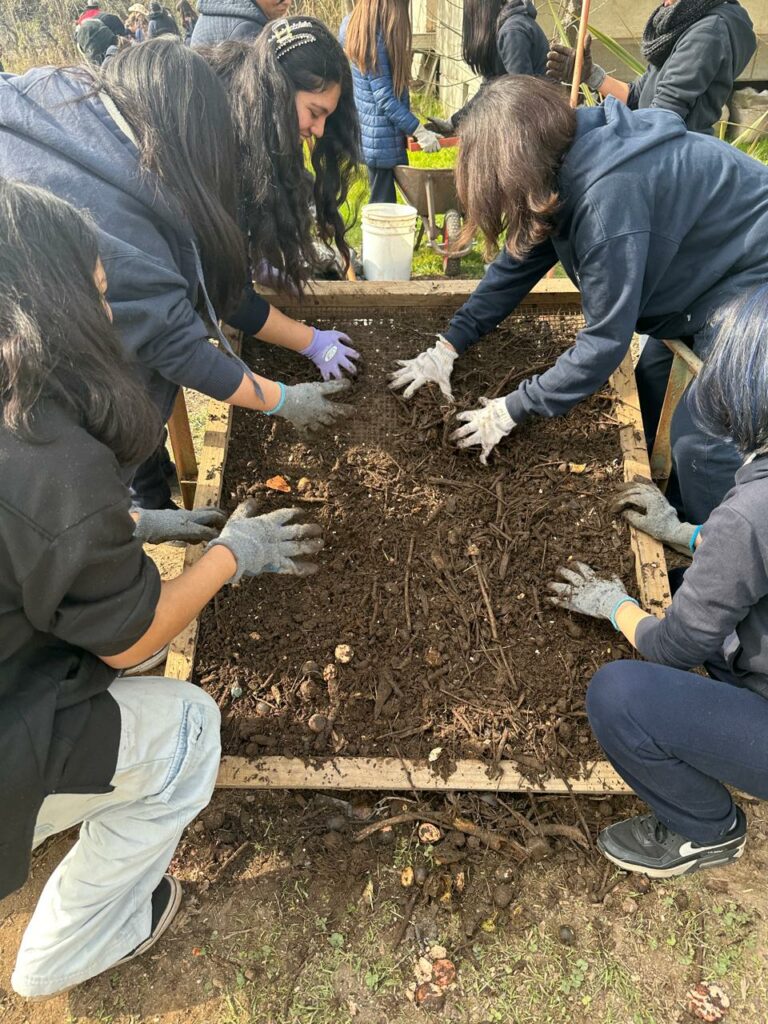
{"x":586,"y":593}
{"x":484,"y":426}
{"x":561,"y":61}
{"x":270,"y":543}
{"x":429,"y":141}
{"x":644,"y":506}
{"x":329,"y":353}
{"x":435,"y":365}
{"x":158,"y":526}
{"x":309,"y":407}
{"x":440,"y":125}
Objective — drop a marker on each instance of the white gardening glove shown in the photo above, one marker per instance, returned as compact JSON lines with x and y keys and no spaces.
{"x":484,"y":426}
{"x":435,"y":365}
{"x":429,"y":141}
{"x":644,"y":506}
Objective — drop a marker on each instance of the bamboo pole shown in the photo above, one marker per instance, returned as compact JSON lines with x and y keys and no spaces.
{"x":579,"y":62}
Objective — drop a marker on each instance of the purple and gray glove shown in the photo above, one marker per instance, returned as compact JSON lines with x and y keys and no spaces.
{"x":329,"y":354}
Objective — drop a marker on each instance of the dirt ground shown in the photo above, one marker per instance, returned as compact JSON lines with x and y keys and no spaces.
{"x":427,"y":626}
{"x":299,"y":924}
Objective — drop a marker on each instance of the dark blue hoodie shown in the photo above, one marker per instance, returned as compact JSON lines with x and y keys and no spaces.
{"x":221,"y":20}
{"x":52,"y":137}
{"x":696,"y":80}
{"x":659,"y":228}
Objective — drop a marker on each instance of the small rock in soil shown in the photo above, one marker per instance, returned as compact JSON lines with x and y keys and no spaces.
{"x":317,"y":723}
{"x":503,"y":895}
{"x":642,"y":884}
{"x":566,"y":935}
{"x":386,"y":836}
{"x":504,"y":873}
{"x":473,"y":843}
{"x":262,"y":708}
{"x":343,"y":654}
{"x":236,"y":691}
{"x":457,"y":839}
{"x":423,"y":969}
{"x":443,"y":972}
{"x":213,"y":819}
{"x":438,"y":952}
{"x":629,"y":906}
{"x":429,"y":996}
{"x":406,"y":877}
{"x":308,"y":689}
{"x":605,"y":808}
{"x":420,"y":874}
{"x":311,"y":668}
{"x":336,"y":823}
{"x":429,"y":833}
{"x":330,"y":673}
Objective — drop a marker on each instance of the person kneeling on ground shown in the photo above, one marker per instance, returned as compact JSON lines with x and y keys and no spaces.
{"x":657,"y":226}
{"x":134,"y":760}
{"x":678,"y":738}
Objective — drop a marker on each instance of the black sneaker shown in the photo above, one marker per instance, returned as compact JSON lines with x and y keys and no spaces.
{"x":166,"y":900}
{"x":643,"y":844}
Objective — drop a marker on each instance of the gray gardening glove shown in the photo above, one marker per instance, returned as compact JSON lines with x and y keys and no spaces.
{"x":644,"y":506}
{"x":484,"y":426}
{"x":156,"y":526}
{"x":434,"y":365}
{"x":308,"y":406}
{"x":270,"y":543}
{"x":586,"y":593}
{"x":561,"y":61}
{"x":429,"y":141}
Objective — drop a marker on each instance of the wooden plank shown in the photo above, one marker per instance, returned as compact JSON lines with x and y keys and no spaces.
{"x":332,"y":296}
{"x":208,"y":492}
{"x":183,"y":449}
{"x":686,"y":353}
{"x":394,"y":773}
{"x":650,"y":562}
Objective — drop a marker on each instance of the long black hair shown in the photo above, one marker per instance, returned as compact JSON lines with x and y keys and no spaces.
{"x":179,"y":112}
{"x":730,"y":395}
{"x":262,"y":79}
{"x":56,"y":339}
{"x":478,"y":35}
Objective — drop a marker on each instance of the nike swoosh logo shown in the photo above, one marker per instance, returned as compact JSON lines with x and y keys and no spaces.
{"x":689,"y":848}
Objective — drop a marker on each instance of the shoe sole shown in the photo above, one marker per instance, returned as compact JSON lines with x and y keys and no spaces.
{"x":712,"y":860}
{"x":161,"y":928}
{"x":162,"y":925}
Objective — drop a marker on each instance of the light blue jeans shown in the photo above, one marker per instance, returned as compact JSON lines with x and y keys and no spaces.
{"x":96,"y":906}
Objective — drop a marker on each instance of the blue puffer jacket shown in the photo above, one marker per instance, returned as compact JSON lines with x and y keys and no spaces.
{"x":228,"y":19}
{"x":385,"y":119}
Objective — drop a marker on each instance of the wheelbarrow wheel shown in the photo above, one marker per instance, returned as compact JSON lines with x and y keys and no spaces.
{"x":451,"y":232}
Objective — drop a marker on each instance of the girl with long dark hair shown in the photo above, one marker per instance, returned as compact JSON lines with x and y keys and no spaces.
{"x":377,"y":39}
{"x":679,"y":738}
{"x":160,"y":179}
{"x":132,"y":759}
{"x":499,"y":37}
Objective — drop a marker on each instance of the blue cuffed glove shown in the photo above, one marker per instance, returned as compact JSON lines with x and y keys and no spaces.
{"x":329,"y":353}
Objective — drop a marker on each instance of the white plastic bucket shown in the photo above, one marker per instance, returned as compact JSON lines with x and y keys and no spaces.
{"x":389,"y":230}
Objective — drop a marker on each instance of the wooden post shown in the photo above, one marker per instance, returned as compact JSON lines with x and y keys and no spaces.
{"x":183,"y":450}
{"x":579,"y":62}
{"x":685,"y":366}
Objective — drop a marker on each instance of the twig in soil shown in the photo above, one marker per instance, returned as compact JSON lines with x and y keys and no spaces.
{"x":402,"y":928}
{"x":406,"y":594}
{"x":226,"y":864}
{"x":484,"y":591}
{"x":457,"y":824}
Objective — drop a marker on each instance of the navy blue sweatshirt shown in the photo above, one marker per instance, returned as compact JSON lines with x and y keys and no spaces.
{"x":54,"y":138}
{"x":719,"y":616}
{"x":696,"y":80}
{"x":221,"y":20}
{"x":658,"y":227}
{"x":521,"y":48}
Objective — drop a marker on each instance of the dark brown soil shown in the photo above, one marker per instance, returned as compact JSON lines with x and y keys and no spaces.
{"x":434,"y":571}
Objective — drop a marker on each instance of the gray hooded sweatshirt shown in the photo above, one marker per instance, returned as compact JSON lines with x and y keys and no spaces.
{"x":719,"y":616}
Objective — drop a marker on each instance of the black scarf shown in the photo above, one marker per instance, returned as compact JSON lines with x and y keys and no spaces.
{"x":667,"y":24}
